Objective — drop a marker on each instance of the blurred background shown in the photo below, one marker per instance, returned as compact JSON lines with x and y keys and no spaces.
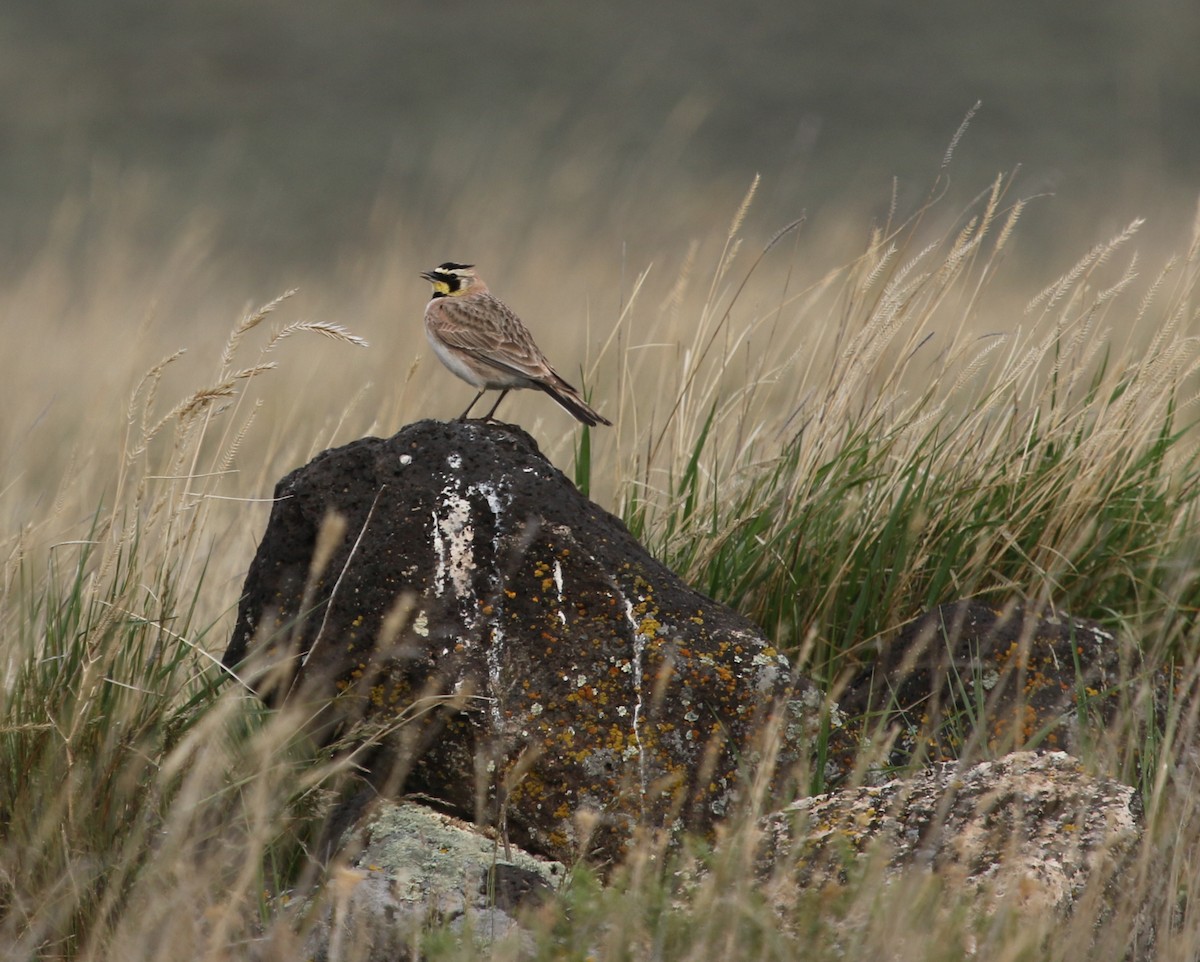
{"x":168,"y":166}
{"x":304,"y":130}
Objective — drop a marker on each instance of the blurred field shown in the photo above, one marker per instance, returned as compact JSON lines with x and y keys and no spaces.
{"x":289,"y":119}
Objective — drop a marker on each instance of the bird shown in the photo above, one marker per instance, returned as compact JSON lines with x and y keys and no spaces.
{"x":479,"y":338}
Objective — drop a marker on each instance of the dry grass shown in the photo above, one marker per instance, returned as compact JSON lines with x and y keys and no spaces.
{"x":830,"y":446}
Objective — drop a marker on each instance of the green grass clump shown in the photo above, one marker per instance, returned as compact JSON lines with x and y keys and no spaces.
{"x":97,"y":693}
{"x":131,"y":766}
{"x":899,"y":459}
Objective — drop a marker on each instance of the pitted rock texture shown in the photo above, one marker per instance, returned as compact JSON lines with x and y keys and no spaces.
{"x":410,"y":866}
{"x":1029,"y":828}
{"x":977,"y":679}
{"x":534,"y":666}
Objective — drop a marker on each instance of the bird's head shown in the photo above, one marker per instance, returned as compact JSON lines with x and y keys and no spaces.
{"x":452,"y":280}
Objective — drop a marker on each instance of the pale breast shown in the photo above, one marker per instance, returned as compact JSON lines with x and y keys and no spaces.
{"x":471,"y":369}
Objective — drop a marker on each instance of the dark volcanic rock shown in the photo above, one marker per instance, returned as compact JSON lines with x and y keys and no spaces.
{"x":973,"y":677}
{"x":516,"y":653}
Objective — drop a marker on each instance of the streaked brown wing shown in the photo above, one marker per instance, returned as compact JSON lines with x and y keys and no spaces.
{"x":488,"y":330}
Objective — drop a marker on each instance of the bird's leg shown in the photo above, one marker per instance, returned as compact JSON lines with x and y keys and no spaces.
{"x":463,"y":416}
{"x":488,"y":416}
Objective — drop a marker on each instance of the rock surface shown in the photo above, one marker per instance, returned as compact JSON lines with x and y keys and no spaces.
{"x":1032,"y":828}
{"x":1030,"y":833}
{"x":414,"y":869}
{"x":973,"y":679}
{"x":508,"y":646}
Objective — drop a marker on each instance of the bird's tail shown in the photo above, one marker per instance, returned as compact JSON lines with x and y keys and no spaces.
{"x":569,"y":399}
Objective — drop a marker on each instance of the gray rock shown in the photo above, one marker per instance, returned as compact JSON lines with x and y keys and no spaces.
{"x":416,"y":869}
{"x":1030,"y":833}
{"x":1031,"y":829}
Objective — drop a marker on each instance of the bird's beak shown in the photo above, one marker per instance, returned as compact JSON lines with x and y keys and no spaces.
{"x":428,"y":275}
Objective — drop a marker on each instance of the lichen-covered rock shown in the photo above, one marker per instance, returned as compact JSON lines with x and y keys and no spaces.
{"x":977,"y":679}
{"x":412,"y":868}
{"x":1032,"y":829}
{"x":530,"y":663}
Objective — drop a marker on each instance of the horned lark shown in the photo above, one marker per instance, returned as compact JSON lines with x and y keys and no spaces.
{"x":475,"y":335}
